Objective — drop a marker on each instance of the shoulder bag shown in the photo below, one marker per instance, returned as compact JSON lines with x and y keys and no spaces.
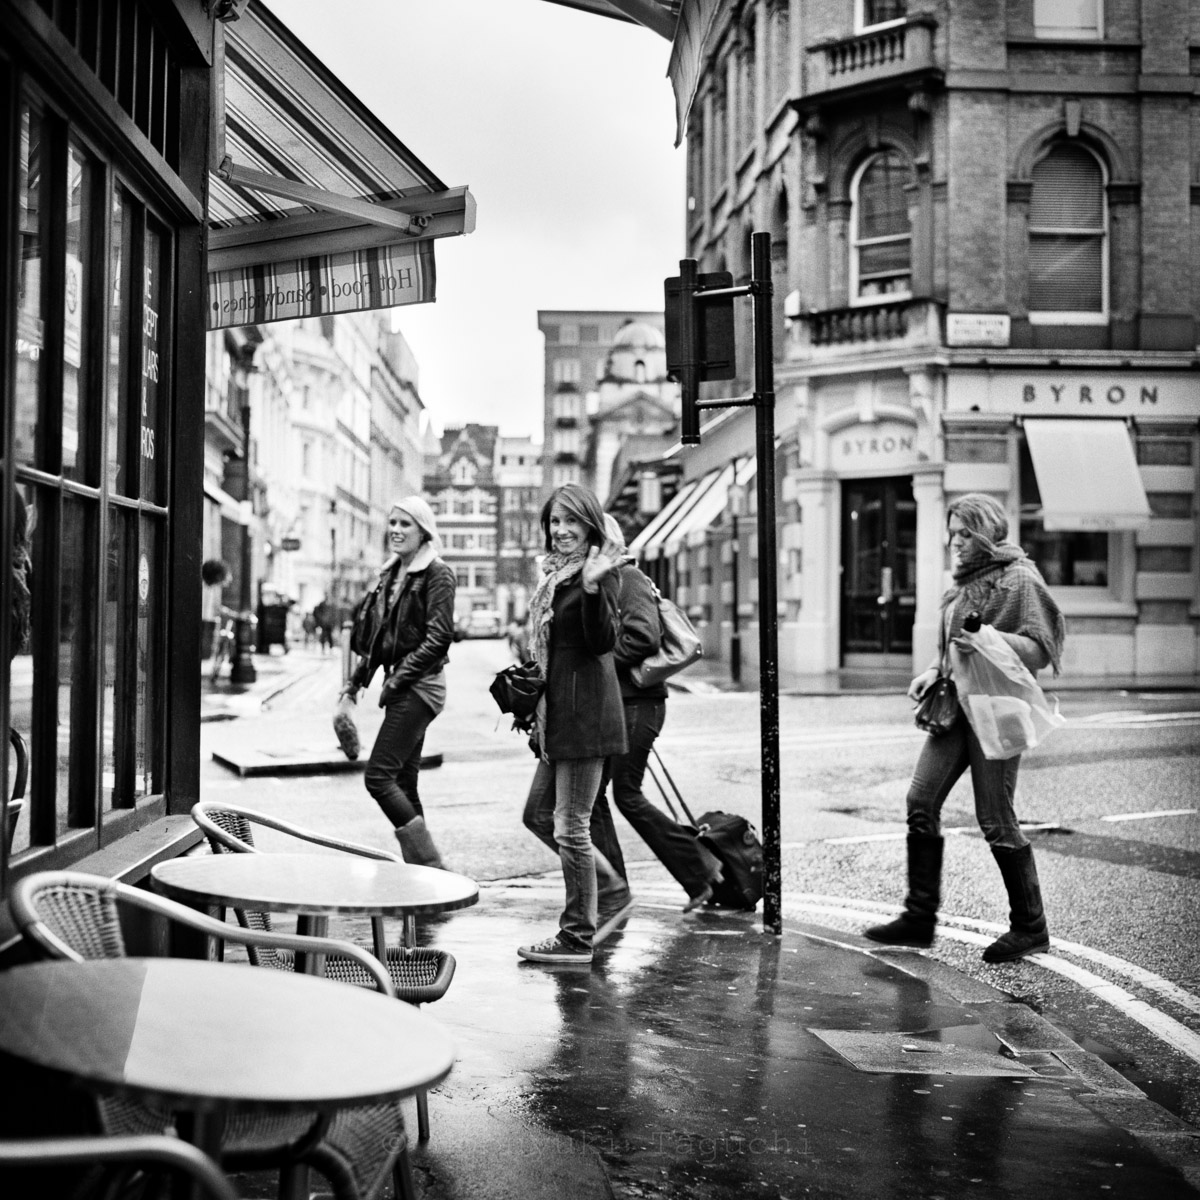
{"x":681,"y":646}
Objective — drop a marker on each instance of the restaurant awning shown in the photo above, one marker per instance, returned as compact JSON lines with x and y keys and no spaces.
{"x":648,"y":543}
{"x":1087,"y":475}
{"x":314,"y":205}
{"x":709,"y":506}
{"x":658,"y":15}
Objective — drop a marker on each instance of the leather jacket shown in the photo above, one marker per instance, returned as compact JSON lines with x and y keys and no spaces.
{"x":413,"y":638}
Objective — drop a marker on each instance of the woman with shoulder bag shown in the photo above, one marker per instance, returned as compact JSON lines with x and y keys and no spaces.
{"x":993,"y":578}
{"x":405,"y":625}
{"x":579,"y":720}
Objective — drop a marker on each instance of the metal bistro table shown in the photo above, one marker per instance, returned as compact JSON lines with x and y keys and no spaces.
{"x":314,"y":886}
{"x":205,"y":1040}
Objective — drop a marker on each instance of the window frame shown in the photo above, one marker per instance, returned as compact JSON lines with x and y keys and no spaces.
{"x":1068,"y":32}
{"x":855,"y":243}
{"x":1046,"y":316}
{"x":82,"y":800}
{"x":860,"y":19}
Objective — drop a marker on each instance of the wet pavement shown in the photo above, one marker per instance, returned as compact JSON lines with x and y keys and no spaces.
{"x":699,"y":1057}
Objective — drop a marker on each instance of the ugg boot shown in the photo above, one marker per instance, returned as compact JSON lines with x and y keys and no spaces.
{"x":416,"y":844}
{"x":914,"y":926}
{"x":1028,"y":933}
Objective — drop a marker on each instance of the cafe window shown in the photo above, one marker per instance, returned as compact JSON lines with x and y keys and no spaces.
{"x":1067,"y":558}
{"x":87,"y":687}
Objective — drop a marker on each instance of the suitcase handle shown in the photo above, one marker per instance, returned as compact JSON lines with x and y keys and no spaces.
{"x":658,"y":783}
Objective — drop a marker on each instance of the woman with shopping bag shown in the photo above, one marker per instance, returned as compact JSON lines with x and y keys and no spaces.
{"x":994,"y":579}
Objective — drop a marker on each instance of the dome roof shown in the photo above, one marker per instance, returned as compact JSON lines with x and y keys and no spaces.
{"x":638,"y":335}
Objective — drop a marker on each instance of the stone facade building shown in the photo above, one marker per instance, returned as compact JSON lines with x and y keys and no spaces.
{"x":985,"y":231}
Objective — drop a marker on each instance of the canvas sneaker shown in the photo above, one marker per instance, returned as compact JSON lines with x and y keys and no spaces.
{"x":610,"y":916}
{"x":554,"y":950}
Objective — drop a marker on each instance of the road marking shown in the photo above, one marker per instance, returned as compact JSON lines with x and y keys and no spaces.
{"x":1146,"y":816}
{"x":1133,"y":717}
{"x":1119,"y":966}
{"x":954,"y":830}
{"x":1164,"y":1027}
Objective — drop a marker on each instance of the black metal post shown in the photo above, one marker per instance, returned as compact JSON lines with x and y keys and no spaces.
{"x":735,"y":633}
{"x":242,"y":669}
{"x":768,"y":610}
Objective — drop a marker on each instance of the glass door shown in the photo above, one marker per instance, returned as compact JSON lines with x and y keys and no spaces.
{"x":879,"y":572}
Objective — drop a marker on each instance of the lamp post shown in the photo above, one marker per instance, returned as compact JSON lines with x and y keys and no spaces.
{"x":242,"y":669}
{"x":737,"y":506}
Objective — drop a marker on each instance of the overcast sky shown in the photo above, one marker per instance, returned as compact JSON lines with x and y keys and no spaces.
{"x":562,"y":124}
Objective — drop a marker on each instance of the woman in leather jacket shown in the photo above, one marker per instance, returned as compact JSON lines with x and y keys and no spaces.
{"x":405,"y":625}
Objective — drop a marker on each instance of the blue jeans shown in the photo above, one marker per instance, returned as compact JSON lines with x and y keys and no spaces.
{"x":994,"y":781}
{"x":558,"y":812}
{"x":395,"y":762}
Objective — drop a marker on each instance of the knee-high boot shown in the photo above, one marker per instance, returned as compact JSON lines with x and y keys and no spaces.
{"x":416,"y":844}
{"x":1028,"y":933}
{"x":914,"y":926}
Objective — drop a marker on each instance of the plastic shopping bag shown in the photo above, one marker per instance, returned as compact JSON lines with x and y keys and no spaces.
{"x":1007,"y":708}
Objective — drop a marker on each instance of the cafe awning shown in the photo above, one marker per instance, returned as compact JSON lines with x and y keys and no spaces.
{"x":648,"y":543}
{"x":1087,"y":475}
{"x":314,"y":205}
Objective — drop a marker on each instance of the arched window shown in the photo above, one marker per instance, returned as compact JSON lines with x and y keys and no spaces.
{"x":1068,"y":259}
{"x":881,"y":254}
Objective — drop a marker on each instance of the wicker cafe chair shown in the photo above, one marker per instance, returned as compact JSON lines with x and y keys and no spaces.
{"x":109,"y":1166}
{"x":420,"y":974}
{"x":71,"y":915}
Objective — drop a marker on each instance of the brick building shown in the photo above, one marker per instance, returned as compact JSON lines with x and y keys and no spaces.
{"x":985,"y":229}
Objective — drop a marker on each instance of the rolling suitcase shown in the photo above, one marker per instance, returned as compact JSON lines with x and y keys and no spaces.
{"x":725,"y":838}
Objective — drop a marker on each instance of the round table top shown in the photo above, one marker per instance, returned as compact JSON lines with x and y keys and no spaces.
{"x":313,"y":884}
{"x":203,"y":1036}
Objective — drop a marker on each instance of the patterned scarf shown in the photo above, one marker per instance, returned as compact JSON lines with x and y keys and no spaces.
{"x":557,"y":570}
{"x":1001,"y":583}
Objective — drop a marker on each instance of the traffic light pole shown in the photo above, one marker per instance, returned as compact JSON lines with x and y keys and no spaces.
{"x":763,"y":402}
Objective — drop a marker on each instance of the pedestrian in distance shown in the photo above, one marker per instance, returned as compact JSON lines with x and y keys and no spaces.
{"x":994,"y":578}
{"x":579,"y":720}
{"x":639,"y":635}
{"x":405,"y":625}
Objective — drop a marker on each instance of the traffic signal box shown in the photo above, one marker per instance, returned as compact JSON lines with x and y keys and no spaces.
{"x":699,"y":336}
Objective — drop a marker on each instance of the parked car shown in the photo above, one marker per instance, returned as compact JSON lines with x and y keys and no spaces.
{"x":483,"y":623}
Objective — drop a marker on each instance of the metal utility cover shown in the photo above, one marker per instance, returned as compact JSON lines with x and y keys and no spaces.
{"x":909,"y":1054}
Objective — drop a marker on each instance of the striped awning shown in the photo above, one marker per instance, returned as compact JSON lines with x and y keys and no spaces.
{"x":314,"y":205}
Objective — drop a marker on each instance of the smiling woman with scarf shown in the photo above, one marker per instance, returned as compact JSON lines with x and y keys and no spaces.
{"x":580,"y":720}
{"x":994,"y":578}
{"x":405,"y":625}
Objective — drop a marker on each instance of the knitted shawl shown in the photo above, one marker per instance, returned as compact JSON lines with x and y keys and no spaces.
{"x":1008,"y":592}
{"x":557,"y":570}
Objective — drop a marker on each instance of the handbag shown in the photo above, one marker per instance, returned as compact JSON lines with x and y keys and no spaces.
{"x":517,"y":690}
{"x":680,"y":646}
{"x":938,"y":708}
{"x":345,"y":727}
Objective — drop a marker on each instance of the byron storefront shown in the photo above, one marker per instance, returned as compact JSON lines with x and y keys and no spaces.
{"x":131,"y":147}
{"x":1097,"y":468}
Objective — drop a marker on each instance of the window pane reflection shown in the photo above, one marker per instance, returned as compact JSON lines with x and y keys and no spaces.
{"x":31,"y":320}
{"x":78,"y":454}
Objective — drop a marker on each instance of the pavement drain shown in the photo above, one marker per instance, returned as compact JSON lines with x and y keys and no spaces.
{"x":936,"y":1053}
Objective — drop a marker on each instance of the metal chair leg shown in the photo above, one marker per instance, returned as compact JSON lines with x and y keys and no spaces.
{"x":423,"y":1116}
{"x":402,"y":1177}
